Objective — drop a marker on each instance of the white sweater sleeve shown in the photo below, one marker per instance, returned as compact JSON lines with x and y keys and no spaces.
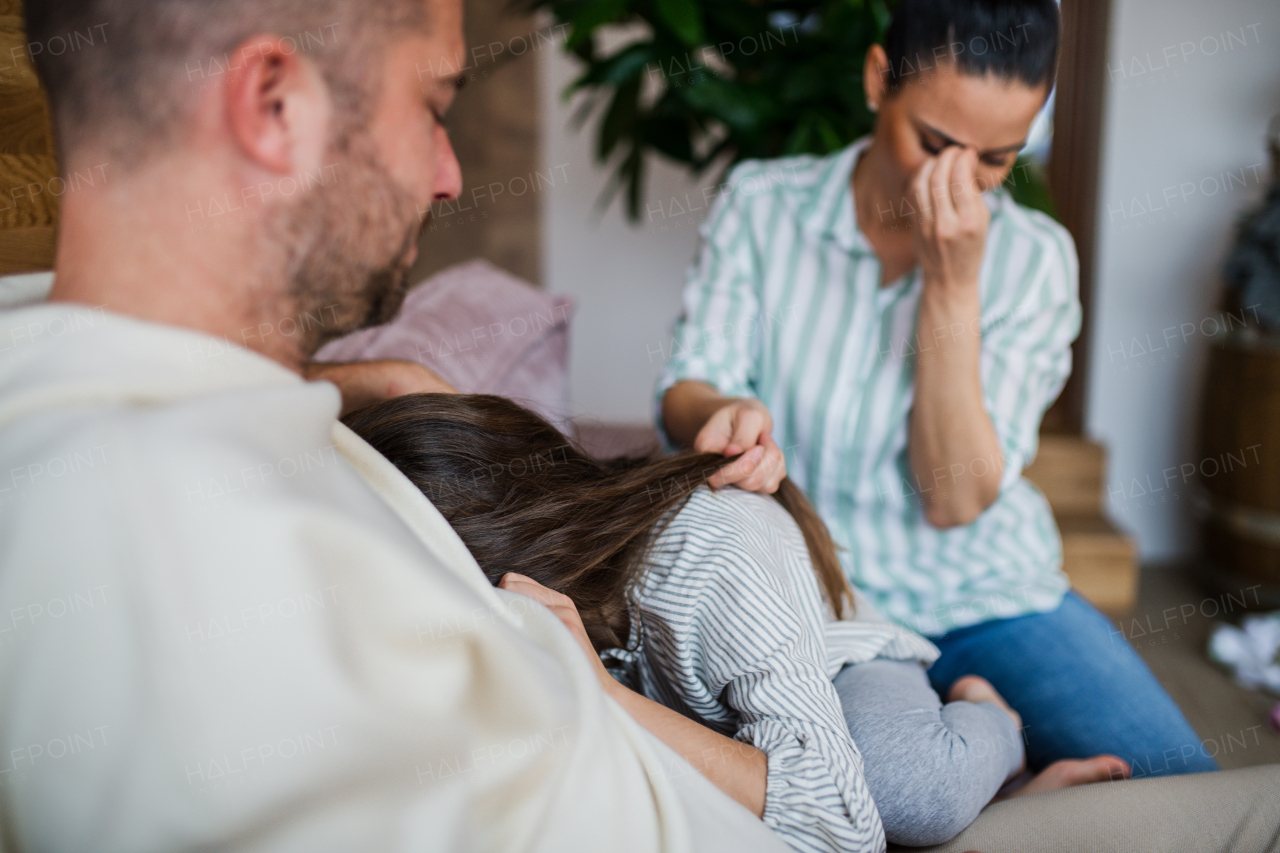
{"x":218,"y":636}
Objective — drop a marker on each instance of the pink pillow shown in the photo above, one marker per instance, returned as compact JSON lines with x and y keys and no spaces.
{"x":482,"y":330}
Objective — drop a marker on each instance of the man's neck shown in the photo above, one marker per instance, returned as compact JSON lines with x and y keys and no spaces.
{"x":138,"y":253}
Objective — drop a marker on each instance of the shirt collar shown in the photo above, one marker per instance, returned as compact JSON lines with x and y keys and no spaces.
{"x":837,"y":216}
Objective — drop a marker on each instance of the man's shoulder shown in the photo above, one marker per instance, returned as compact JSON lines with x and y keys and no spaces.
{"x":63,"y":351}
{"x":189,"y":465}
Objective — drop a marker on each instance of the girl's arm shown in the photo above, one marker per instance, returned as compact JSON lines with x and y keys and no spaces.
{"x":739,"y":769}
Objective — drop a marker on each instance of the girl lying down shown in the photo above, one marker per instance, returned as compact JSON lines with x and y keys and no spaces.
{"x":726,"y":622}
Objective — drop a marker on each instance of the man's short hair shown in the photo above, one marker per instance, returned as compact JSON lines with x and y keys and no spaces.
{"x":139,"y":65}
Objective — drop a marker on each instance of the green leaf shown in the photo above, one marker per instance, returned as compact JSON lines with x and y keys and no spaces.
{"x":684,"y":17}
{"x":803,"y":83}
{"x":669,"y":135}
{"x":591,"y":16}
{"x":727,"y":101}
{"x":798,"y":141}
{"x":1027,"y":186}
{"x":615,"y":69}
{"x":635,"y":184}
{"x":831,"y":140}
{"x":881,"y":14}
{"x":799,"y":96}
{"x":627,"y":63}
{"x":619,"y":119}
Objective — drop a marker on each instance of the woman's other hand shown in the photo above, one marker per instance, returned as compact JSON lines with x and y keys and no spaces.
{"x":951,"y":219}
{"x":743,"y":426}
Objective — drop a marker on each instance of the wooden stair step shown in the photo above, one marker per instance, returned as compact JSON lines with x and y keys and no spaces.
{"x":1100,"y":561}
{"x":1071,"y":472}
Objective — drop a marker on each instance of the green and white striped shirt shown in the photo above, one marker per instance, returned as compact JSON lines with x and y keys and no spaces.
{"x":783,"y":302}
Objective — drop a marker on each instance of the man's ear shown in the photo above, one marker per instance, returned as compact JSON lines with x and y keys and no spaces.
{"x":277,"y":104}
{"x":875,"y":76}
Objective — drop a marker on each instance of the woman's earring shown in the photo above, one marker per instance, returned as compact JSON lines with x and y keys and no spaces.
{"x":873,"y":106}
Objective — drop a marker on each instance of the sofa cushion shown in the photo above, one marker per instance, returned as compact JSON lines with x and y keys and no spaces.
{"x":482,"y":330}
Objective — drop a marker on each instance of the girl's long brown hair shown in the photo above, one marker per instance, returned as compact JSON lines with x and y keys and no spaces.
{"x":526,"y":499}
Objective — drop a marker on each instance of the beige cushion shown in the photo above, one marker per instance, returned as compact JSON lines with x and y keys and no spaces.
{"x":482,"y":330}
{"x":1232,"y":811}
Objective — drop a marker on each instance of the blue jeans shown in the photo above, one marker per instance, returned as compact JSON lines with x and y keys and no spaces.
{"x":1080,"y":687}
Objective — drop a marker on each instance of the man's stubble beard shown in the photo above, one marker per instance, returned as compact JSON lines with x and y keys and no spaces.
{"x":347,"y":243}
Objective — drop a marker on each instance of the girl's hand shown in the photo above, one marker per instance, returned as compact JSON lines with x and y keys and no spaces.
{"x":738,"y":769}
{"x":743,"y":426}
{"x":565,"y":610}
{"x":951,"y":219}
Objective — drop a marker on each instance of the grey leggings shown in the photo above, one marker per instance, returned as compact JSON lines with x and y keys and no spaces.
{"x":930,"y":768}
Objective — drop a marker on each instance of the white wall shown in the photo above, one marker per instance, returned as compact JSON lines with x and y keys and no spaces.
{"x":1191,"y":88}
{"x":1196,"y":117}
{"x":626,"y":279}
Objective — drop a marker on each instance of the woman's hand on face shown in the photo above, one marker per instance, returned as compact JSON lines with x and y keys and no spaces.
{"x":951,"y":219}
{"x":743,"y":426}
{"x":564,"y":609}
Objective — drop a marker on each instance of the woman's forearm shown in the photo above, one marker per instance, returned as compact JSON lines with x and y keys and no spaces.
{"x":687,"y":406}
{"x":954,"y":451}
{"x":739,"y":769}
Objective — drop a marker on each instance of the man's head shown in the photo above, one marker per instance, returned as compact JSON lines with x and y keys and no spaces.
{"x":321,"y":119}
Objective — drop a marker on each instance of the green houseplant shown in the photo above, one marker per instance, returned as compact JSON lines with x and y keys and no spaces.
{"x":717,"y":81}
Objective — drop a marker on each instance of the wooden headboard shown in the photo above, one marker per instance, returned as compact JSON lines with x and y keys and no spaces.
{"x":29,"y":183}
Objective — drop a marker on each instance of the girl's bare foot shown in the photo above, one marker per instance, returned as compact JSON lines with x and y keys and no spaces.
{"x":1070,"y":772}
{"x":975,"y":688}
{"x":1061,"y":774}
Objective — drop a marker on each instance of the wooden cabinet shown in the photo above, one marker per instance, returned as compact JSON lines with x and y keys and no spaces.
{"x":29,"y":186}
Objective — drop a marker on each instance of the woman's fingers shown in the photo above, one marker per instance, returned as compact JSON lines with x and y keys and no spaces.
{"x":748,"y":425}
{"x":920,"y":189}
{"x":776,"y":463}
{"x":743,"y":427}
{"x":941,"y":185}
{"x":760,"y":469}
{"x":738,"y":470}
{"x":734,"y":428}
{"x":967,"y":196}
{"x":714,"y":435}
{"x":963,"y":176}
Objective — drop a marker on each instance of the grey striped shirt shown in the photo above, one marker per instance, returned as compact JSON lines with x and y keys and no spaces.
{"x":731,"y":630}
{"x":784,"y":303}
